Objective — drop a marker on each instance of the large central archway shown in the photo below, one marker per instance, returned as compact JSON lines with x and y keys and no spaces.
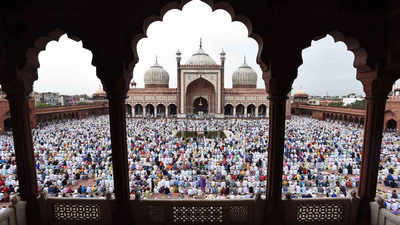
{"x":200,"y":89}
{"x":200,"y":104}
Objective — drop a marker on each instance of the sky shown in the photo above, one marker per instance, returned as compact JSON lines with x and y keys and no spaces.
{"x":65,"y":66}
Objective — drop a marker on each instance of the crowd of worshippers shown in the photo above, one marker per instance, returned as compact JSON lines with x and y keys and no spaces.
{"x":321,"y":158}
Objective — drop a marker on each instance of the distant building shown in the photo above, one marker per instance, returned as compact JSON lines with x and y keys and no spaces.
{"x":50,"y":98}
{"x":300,"y":97}
{"x":351,"y":98}
{"x":326,"y":102}
{"x":313,"y":101}
{"x":200,"y":90}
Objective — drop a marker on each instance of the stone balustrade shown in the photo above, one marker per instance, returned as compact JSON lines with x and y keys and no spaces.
{"x":382,"y":216}
{"x":338,"y":211}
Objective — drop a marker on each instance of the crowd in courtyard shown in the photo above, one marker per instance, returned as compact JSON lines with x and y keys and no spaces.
{"x":321,"y":159}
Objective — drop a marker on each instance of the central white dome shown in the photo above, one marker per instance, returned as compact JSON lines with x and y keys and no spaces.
{"x":244,"y":75}
{"x":200,"y":58}
{"x":156,"y":75}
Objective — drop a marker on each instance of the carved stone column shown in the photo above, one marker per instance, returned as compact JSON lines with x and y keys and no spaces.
{"x":234,"y":111}
{"x":277,"y":87}
{"x":256,"y":111}
{"x":376,"y":90}
{"x":18,"y":97}
{"x":116,"y":90}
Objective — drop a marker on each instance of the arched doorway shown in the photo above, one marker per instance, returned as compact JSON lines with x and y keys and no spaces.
{"x":251,"y":110}
{"x":7,"y":124}
{"x":172,"y":110}
{"x":200,"y":89}
{"x":200,"y":104}
{"x":262,"y":110}
{"x":149,"y":110}
{"x":161,"y":110}
{"x":138,"y":110}
{"x":129,"y":110}
{"x":391,"y":125}
{"x":228,"y":110}
{"x":240,"y":110}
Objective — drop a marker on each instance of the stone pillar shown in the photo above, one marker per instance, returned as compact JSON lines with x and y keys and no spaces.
{"x":133,"y":111}
{"x":234,"y":111}
{"x":155,"y":111}
{"x":18,"y":97}
{"x":166,"y":111}
{"x":256,"y":111}
{"x":116,"y":89}
{"x":278,"y":86}
{"x":376,"y":90}
{"x":144,"y":111}
{"x":245,"y":111}
{"x":275,"y":148}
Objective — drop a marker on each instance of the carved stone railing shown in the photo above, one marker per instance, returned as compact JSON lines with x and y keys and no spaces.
{"x":83,"y":211}
{"x":198,"y":211}
{"x":382,"y":216}
{"x":60,"y":211}
{"x":338,"y":211}
{"x":7,"y":216}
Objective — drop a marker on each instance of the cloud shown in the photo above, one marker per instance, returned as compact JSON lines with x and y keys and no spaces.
{"x":65,"y":67}
{"x":327,"y":69}
{"x":183,"y":29}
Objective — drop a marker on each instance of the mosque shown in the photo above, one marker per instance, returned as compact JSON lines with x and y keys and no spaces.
{"x":200,"y":90}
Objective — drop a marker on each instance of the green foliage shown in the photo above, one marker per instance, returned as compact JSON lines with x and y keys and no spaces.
{"x":355,"y":105}
{"x":42,"y":105}
{"x":358,"y":105}
{"x":336,"y":104}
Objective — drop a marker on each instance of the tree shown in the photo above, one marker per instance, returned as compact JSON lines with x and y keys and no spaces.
{"x":336,"y":104}
{"x":358,"y":104}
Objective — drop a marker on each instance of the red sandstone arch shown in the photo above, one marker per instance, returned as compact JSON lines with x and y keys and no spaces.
{"x":240,"y":110}
{"x":138,"y":110}
{"x":7,"y":124}
{"x":262,"y":110}
{"x":251,"y":110}
{"x":228,"y":110}
{"x":389,"y":115}
{"x":201,"y":88}
{"x":353,"y":45}
{"x":128,"y":110}
{"x":161,"y":110}
{"x":214,"y":6}
{"x":150,"y":109}
{"x":172,"y":110}
{"x":31,"y":63}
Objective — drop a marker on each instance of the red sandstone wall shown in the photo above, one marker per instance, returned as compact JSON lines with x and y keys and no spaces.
{"x":5,"y":109}
{"x":288,"y":108}
{"x":392,"y":111}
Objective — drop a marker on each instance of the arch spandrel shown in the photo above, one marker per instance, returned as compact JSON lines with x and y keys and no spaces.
{"x":191,"y":78}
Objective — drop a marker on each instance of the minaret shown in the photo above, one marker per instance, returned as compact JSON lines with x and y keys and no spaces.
{"x":178,"y":79}
{"x":222,"y":54}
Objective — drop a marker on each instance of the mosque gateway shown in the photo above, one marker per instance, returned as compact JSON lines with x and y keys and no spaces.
{"x":200,"y":91}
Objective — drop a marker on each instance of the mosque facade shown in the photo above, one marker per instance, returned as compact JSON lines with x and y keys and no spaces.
{"x":200,"y":90}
